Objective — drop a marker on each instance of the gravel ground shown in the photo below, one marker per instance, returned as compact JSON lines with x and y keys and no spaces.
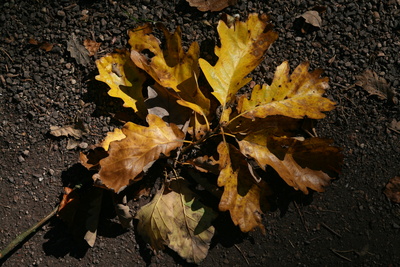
{"x":351,"y":224}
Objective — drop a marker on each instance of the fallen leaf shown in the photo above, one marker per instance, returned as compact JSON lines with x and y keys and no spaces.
{"x":123,"y":212}
{"x":283,"y":160}
{"x":312,"y":17}
{"x":243,"y":197}
{"x":176,"y":218}
{"x":392,"y":189}
{"x":296,"y":95}
{"x":91,"y":46}
{"x":137,"y":152}
{"x":78,"y":51}
{"x":170,"y":67}
{"x":211,"y":5}
{"x":374,"y":85}
{"x":67,"y":130}
{"x":124,"y":79}
{"x":243,"y":47}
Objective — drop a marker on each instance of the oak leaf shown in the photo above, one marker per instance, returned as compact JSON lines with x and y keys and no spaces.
{"x":124,"y":79}
{"x":285,"y":161}
{"x":243,"y":197}
{"x":243,"y":47}
{"x":296,"y":95}
{"x":137,"y":152}
{"x":170,"y":67}
{"x":176,"y":218}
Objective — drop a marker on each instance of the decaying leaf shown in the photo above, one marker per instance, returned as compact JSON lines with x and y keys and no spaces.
{"x":211,"y":5}
{"x":137,"y":152}
{"x":312,"y":17}
{"x":176,"y":218}
{"x":392,"y":190}
{"x":91,"y":46}
{"x":243,"y":47}
{"x":296,"y":95}
{"x":78,"y":51}
{"x":374,"y":85}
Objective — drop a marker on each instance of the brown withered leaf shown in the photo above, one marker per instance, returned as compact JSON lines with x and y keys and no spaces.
{"x":67,"y":130}
{"x":374,"y":85}
{"x":312,"y":17}
{"x":392,"y":189}
{"x":211,"y":5}
{"x":137,"y":152}
{"x":91,"y":46}
{"x":285,"y":155}
{"x":78,"y":51}
{"x":244,"y":197}
{"x":296,"y":95}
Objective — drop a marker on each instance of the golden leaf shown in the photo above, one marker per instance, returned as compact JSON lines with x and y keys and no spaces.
{"x":295,"y":96}
{"x":242,"y":48}
{"x":170,"y":67}
{"x":289,"y":153}
{"x":136,"y":153}
{"x":124,"y":79}
{"x":176,"y":218}
{"x":242,"y":195}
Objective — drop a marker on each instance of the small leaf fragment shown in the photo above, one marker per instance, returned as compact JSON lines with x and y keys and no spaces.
{"x":176,"y":218}
{"x":374,"y":85}
{"x":67,"y":130}
{"x":392,"y":189}
{"x":91,"y":46}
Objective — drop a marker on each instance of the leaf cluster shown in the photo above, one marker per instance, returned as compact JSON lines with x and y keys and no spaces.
{"x":205,"y":135}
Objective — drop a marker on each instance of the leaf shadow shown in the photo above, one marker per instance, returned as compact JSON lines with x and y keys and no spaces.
{"x":65,"y":238}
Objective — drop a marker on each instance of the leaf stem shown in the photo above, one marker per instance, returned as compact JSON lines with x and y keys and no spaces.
{"x":19,"y":239}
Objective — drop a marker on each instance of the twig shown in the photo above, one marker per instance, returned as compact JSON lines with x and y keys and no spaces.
{"x":237,"y":247}
{"x":25,"y":234}
{"x":5,"y":52}
{"x":340,"y":255}
{"x":394,"y":130}
{"x":331,"y":230}
{"x":301,"y":215}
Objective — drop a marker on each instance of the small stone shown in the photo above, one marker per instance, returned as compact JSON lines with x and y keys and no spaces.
{"x":21,"y":159}
{"x":61,"y":13}
{"x":51,"y":172}
{"x":83,"y":145}
{"x":25,"y":153}
{"x":73,"y":81}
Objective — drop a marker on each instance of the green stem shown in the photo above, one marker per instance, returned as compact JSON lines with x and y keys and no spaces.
{"x":25,"y":234}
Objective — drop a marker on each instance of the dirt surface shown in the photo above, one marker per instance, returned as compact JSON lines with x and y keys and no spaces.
{"x":351,"y":224}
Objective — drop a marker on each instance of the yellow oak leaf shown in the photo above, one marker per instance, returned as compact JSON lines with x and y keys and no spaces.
{"x":170,"y":67}
{"x":137,"y":152}
{"x":176,"y":218}
{"x":296,"y":95}
{"x":243,"y":196}
{"x":111,"y":137}
{"x":285,"y":155}
{"x":124,"y":79}
{"x":243,"y":46}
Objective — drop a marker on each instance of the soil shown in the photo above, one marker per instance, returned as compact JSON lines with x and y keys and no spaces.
{"x":351,"y":224}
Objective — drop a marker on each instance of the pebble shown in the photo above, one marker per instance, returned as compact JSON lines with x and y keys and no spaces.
{"x":61,"y":13}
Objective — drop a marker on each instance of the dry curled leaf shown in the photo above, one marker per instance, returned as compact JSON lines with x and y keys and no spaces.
{"x":312,"y":17}
{"x":67,"y":130}
{"x":211,"y":5}
{"x":42,"y":45}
